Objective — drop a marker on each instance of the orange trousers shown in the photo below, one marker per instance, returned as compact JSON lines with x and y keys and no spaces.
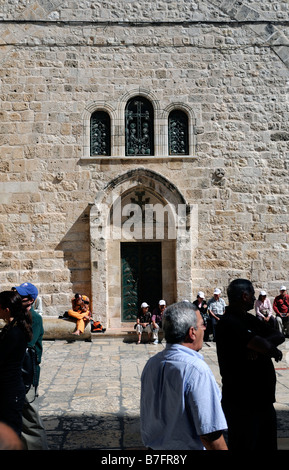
{"x":81,"y":322}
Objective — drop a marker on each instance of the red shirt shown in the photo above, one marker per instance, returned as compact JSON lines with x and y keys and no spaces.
{"x":281,"y":305}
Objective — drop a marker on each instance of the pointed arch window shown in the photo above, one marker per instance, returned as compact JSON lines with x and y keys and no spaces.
{"x":139,"y":127}
{"x":178,"y":133}
{"x":100,"y":135}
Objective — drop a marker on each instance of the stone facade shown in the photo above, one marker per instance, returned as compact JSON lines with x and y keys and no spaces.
{"x":224,"y":63}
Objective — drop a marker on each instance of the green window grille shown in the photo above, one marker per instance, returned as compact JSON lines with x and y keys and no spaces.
{"x":139,"y":127}
{"x":178,"y":133}
{"x":100,"y":133}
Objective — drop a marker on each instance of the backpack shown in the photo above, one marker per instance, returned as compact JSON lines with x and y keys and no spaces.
{"x":29,"y":372}
{"x":96,"y":326}
{"x":65,"y":315}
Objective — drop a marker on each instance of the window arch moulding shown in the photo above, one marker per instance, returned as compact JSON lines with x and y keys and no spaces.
{"x":139,"y":127}
{"x":117,"y":121}
{"x":191,"y":128}
{"x":121,"y":112}
{"x":101,"y":107}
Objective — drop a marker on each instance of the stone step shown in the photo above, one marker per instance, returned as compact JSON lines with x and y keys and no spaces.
{"x":63,"y":328}
{"x":59,"y":328}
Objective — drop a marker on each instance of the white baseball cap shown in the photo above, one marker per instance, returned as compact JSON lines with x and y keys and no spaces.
{"x":217,"y":291}
{"x":201,"y":294}
{"x":283,"y":288}
{"x":162,"y":302}
{"x":144,"y":305}
{"x":263,"y":292}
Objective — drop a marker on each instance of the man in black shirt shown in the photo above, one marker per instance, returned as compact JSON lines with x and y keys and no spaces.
{"x":202,"y":306}
{"x":143,"y":322}
{"x":245,"y":347}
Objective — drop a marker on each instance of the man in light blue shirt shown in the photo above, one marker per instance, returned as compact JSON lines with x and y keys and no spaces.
{"x":180,"y":399}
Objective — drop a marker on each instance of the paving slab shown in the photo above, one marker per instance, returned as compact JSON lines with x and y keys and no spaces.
{"x":90,"y":392}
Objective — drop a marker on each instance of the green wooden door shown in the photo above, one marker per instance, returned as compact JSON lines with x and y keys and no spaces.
{"x":141,"y":267}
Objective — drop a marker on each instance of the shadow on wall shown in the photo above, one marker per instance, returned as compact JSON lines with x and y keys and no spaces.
{"x":75,"y":246}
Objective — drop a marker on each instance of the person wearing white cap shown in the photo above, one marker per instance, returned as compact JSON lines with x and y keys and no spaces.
{"x":264,"y":310}
{"x":157,"y":317}
{"x":216,"y":308}
{"x":143,"y":321}
{"x":281,"y":308}
{"x":202,"y":306}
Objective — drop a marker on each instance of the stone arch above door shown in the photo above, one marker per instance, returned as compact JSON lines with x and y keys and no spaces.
{"x":105,"y":241}
{"x":144,"y":177}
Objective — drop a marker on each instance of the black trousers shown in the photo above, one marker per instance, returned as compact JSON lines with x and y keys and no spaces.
{"x":252,"y":427}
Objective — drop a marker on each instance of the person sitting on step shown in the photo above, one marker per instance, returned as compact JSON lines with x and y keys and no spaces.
{"x":80,"y":311}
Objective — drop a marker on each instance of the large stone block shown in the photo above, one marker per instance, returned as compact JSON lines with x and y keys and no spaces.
{"x":58,"y":328}
{"x":231,"y":79}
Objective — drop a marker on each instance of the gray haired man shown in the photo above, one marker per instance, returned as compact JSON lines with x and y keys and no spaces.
{"x":180,"y":400}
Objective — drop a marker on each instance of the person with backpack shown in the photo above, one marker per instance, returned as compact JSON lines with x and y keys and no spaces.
{"x":14,"y":338}
{"x":33,"y":432}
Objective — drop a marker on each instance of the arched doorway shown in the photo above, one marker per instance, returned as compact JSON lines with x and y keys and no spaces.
{"x":137,"y":222}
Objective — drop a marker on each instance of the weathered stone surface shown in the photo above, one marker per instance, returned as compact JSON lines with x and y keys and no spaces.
{"x":226,"y":63}
{"x":90,"y":393}
{"x":56,"y":328}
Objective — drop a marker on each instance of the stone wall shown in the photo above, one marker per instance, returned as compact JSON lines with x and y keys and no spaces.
{"x":225,"y":62}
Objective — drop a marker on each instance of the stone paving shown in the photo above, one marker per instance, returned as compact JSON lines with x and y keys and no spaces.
{"x":90,"y":391}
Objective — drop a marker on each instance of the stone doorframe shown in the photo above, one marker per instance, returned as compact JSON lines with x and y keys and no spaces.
{"x":103,"y":247}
